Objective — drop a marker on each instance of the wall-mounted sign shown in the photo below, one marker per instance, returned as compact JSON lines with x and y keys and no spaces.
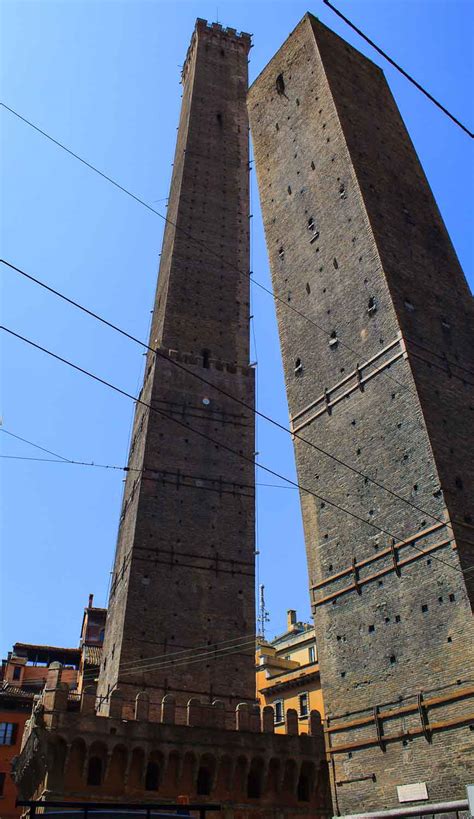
{"x":412,"y":793}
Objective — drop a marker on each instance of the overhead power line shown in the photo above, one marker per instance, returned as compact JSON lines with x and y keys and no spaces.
{"x":256,"y":411}
{"x":222,"y":446}
{"x":187,"y":660}
{"x":399,"y":68}
{"x":225,"y":262}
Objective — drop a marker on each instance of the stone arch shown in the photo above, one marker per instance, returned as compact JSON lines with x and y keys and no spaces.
{"x":74,"y":773}
{"x":56,"y":753}
{"x":96,"y":764}
{"x":224,"y":775}
{"x":137,"y":769}
{"x":255,"y":778}
{"x":306,"y":780}
{"x":205,"y":775}
{"x":154,"y":771}
{"x":274,"y":775}
{"x":289,"y":777}
{"x":188,"y":774}
{"x":115,"y":783}
{"x":171,"y":776}
{"x":240,"y":780}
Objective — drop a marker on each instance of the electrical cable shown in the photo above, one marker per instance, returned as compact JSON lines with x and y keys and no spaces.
{"x":197,"y":241}
{"x":399,"y":68}
{"x":206,"y":381}
{"x":199,"y":658}
{"x":25,"y":441}
{"x":222,"y":446}
{"x":127,"y":469}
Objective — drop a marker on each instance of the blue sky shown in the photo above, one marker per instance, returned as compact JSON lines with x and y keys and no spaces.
{"x":103,"y":77}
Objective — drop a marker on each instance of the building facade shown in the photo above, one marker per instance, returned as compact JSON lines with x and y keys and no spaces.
{"x":288,"y":674}
{"x":376,"y":329}
{"x":174,"y":711}
{"x":186,"y":538}
{"x":23,"y":677}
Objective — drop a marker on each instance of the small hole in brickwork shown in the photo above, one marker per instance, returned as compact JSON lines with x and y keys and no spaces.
{"x":333,"y":340}
{"x":313,"y":166}
{"x":353,"y":422}
{"x":380,"y":582}
{"x":394,"y":395}
{"x":428,"y":562}
{"x":330,"y":567}
{"x":277,"y":126}
{"x":424,"y":607}
{"x":308,"y":288}
{"x":281,"y":253}
{"x":335,"y":263}
{"x":387,"y":619}
{"x":297,"y":101}
{"x":372,"y":306}
{"x":450,"y":639}
{"x":358,"y":451}
{"x":298,"y":367}
{"x":452,"y":598}
{"x":289,"y":190}
{"x":397,"y":618}
{"x":415,"y":487}
{"x":343,"y":673}
{"x":393,"y":659}
{"x":371,"y":629}
{"x":280,"y":84}
{"x":311,"y":223}
{"x":440,"y":599}
{"x":405,"y":742}
{"x":349,"y":755}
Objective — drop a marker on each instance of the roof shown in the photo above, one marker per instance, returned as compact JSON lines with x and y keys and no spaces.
{"x":290,"y":680}
{"x":14,"y":691}
{"x":300,"y":631}
{"x":47,"y":654}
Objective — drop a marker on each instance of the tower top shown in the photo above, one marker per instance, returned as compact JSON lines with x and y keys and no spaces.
{"x":218,"y":35}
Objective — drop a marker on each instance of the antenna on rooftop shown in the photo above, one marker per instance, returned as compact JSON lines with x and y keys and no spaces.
{"x":263,"y":615}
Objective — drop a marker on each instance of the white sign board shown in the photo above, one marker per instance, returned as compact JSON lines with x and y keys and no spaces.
{"x":470,"y":798}
{"x":412,"y":793}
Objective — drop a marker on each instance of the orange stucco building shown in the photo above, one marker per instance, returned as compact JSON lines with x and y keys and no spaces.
{"x":23,"y":675}
{"x":287,"y":673}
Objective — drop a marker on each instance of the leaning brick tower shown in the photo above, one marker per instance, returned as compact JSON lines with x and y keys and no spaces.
{"x":377,"y":332}
{"x":183,"y":580}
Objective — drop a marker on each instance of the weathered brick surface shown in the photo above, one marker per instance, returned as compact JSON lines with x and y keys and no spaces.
{"x":351,"y":225}
{"x":184,"y":569}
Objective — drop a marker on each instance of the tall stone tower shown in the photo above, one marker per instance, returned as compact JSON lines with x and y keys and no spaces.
{"x":181,"y":616}
{"x":377,"y":333}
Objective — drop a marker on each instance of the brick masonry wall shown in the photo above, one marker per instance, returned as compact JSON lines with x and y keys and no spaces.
{"x":184,"y":568}
{"x":358,"y":249}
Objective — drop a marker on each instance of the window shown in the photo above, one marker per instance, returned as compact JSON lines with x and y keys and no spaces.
{"x":303,"y":703}
{"x":17,"y":672}
{"x":7,"y":733}
{"x":2,"y":783}
{"x":280,"y":84}
{"x":312,"y":654}
{"x":279,"y":711}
